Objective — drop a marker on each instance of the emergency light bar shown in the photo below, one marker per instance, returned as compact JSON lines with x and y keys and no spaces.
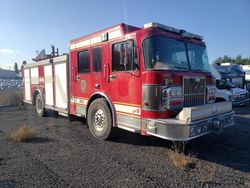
{"x":165,"y":27}
{"x":172,"y":29}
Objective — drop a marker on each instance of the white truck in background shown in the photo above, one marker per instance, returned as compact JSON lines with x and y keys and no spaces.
{"x":226,"y":90}
{"x":246,"y":69}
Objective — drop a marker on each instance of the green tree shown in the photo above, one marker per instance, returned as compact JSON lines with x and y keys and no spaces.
{"x":239,"y":60}
{"x":16,"y":68}
{"x":218,"y":60}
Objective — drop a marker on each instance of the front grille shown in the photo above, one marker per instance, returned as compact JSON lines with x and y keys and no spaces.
{"x":243,"y":97}
{"x":194,"y":91}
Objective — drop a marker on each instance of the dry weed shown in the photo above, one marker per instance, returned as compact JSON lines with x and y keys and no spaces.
{"x":206,"y":173}
{"x":179,"y":159}
{"x":24,"y":133}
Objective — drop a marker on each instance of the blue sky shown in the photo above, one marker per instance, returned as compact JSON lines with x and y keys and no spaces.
{"x":30,"y":25}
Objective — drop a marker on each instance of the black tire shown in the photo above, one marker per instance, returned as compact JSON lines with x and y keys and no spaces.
{"x":219,"y":100}
{"x":55,"y":114}
{"x":39,"y":105}
{"x":72,"y":118}
{"x":99,"y":119}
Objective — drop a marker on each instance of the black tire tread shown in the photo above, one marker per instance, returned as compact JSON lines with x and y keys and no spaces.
{"x":43,"y":113}
{"x":97,"y":103}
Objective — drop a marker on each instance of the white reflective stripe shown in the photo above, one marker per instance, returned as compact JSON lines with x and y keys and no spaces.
{"x":96,"y":39}
{"x":60,"y":58}
{"x":36,"y":64}
{"x":79,"y":101}
{"x":128,"y":109}
{"x":127,"y":128}
{"x":114,"y":34}
{"x":83,"y":43}
{"x":72,"y":46}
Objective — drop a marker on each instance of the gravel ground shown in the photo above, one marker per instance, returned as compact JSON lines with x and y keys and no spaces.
{"x":64,"y":154}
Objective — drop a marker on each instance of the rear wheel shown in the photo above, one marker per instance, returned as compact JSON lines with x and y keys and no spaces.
{"x":40,"y":110}
{"x":220,"y":100}
{"x":100,"y":119}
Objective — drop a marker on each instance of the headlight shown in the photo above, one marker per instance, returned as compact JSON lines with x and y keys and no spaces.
{"x":211,"y":92}
{"x":172,"y":92}
{"x":235,"y":97}
{"x":172,"y":98}
{"x":211,"y":89}
{"x":213,"y":81}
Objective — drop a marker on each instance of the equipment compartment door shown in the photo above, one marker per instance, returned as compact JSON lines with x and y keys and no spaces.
{"x":49,"y":94}
{"x":61,"y":84}
{"x":27,"y":84}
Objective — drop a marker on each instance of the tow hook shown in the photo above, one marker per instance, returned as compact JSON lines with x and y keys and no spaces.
{"x":217,"y":126}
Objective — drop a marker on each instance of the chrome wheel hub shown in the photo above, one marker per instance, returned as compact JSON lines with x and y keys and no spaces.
{"x":99,"y":120}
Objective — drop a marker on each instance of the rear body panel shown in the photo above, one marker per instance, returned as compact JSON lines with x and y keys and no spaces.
{"x":49,"y":79}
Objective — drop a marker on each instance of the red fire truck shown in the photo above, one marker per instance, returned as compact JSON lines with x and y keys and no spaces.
{"x":153,"y":80}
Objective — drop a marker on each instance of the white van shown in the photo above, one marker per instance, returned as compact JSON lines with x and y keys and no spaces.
{"x":226,"y":90}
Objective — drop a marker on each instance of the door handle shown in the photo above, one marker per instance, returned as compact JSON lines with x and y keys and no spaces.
{"x":97,"y":86}
{"x":106,"y":72}
{"x":73,"y":73}
{"x":112,"y":77}
{"x":78,"y":77}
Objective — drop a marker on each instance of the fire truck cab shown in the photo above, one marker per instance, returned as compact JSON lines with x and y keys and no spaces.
{"x":153,"y":80}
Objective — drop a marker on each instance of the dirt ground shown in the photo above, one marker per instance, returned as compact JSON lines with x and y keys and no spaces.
{"x":64,"y":154}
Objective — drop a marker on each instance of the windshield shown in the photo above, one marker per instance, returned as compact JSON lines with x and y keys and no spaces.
{"x":224,"y":84}
{"x":161,"y":52}
{"x":198,"y":57}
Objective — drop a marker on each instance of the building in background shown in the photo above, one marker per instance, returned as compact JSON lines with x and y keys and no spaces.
{"x":9,"y":79}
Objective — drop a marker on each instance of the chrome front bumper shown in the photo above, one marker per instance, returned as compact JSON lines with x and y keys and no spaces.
{"x":240,"y":102}
{"x":183,"y":130}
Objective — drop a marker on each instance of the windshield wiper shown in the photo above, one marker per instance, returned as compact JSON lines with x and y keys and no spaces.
{"x":165,"y":68}
{"x":181,"y":67}
{"x":196,"y":70}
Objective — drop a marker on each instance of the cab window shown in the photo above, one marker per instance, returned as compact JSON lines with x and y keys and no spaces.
{"x":124,"y":56}
{"x":83,"y":62}
{"x":97,"y":59}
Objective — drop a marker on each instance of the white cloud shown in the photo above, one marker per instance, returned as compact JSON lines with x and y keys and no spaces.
{"x":8,"y":51}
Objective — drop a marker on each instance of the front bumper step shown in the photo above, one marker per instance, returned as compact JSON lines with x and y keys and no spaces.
{"x":192,"y":124}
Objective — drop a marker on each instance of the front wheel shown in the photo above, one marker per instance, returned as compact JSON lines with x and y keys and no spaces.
{"x":99,"y":119}
{"x":40,"y":110}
